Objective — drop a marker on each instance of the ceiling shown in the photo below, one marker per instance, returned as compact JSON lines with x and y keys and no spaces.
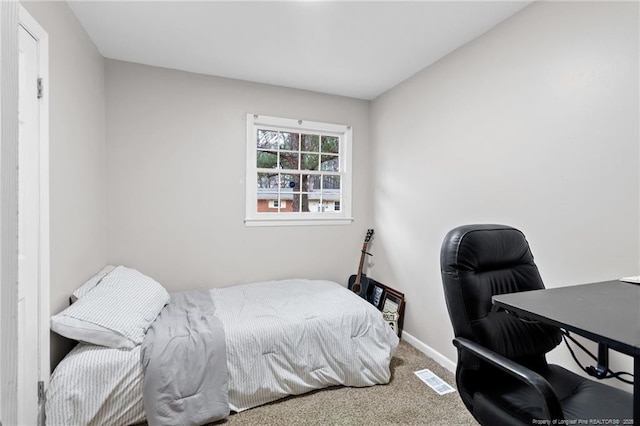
{"x":358,"y":49}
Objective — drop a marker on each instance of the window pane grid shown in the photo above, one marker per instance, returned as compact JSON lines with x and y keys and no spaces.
{"x":308,"y":166}
{"x":301,"y":192}
{"x":277,"y":142}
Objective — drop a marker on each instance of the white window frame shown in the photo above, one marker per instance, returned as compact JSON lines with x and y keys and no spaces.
{"x":255,"y":218}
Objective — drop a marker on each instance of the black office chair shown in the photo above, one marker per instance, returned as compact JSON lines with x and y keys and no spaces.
{"x":502,"y":374}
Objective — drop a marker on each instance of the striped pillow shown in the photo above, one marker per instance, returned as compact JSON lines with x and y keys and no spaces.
{"x":91,"y":283}
{"x":116,"y":313}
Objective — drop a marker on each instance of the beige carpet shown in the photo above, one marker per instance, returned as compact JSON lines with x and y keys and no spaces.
{"x":404,"y":401}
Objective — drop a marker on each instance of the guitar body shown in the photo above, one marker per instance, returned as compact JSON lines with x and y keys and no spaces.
{"x":364,"y":285}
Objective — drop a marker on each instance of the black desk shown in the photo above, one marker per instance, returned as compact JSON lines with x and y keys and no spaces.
{"x":606,"y":312}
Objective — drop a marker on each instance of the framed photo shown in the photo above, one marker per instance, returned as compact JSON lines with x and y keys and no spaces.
{"x":387,"y":300}
{"x":376,"y":295}
{"x":393,"y":309}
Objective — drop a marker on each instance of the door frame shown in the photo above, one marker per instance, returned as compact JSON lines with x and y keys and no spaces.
{"x":27,"y":22}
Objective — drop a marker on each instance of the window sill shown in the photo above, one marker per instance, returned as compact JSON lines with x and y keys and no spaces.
{"x":297,"y":222}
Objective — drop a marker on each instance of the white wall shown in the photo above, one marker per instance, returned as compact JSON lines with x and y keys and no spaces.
{"x":176,"y":145}
{"x":77,"y":156}
{"x":534,"y":124}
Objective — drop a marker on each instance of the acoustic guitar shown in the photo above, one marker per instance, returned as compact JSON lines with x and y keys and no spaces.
{"x":359,"y":283}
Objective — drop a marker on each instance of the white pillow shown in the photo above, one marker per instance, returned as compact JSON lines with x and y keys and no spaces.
{"x":91,"y":283}
{"x":116,"y":313}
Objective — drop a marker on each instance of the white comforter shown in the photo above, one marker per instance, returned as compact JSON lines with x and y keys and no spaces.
{"x":96,"y":386}
{"x":283,"y":338}
{"x":290,"y":337}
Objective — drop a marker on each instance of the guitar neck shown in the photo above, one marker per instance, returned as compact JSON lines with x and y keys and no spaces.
{"x":364,"y":252}
{"x":357,"y":287}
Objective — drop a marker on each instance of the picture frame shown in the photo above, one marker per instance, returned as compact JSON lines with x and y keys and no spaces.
{"x":389,"y":301}
{"x":376,"y":295}
{"x":392,"y":308}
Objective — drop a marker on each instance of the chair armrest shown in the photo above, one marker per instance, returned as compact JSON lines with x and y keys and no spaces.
{"x":551,"y":405}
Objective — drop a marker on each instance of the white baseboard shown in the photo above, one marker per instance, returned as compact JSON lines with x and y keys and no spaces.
{"x":429,"y":351}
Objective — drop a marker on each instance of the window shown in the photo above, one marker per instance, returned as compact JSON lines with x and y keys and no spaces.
{"x":298,"y":172}
{"x":274,"y":204}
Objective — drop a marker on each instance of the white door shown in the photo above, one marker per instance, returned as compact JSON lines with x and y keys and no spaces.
{"x":32,"y":226}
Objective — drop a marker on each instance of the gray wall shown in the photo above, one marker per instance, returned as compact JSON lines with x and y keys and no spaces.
{"x":534,"y":124}
{"x":77,"y":156}
{"x":176,"y":145}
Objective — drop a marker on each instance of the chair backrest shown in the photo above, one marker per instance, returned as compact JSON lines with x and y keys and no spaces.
{"x":478,"y":262}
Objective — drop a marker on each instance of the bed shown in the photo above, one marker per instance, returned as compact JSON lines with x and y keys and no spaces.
{"x":248,"y":344}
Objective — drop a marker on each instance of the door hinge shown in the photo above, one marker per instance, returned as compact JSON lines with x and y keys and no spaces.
{"x":40,"y":391}
{"x":40,"y":88}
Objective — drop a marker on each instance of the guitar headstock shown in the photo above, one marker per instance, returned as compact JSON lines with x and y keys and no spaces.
{"x":367,"y":238}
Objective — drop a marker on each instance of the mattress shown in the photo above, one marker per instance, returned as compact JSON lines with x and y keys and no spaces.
{"x":283,"y":338}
